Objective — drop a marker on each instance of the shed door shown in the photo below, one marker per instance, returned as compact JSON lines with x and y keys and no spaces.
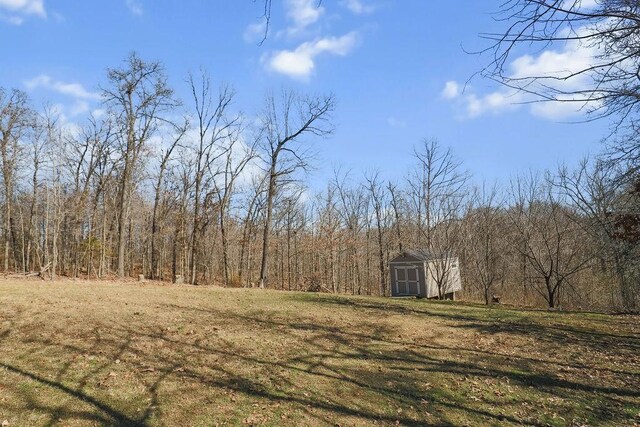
{"x":407,"y":280}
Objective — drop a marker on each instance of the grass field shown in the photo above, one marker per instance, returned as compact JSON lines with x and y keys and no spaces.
{"x":83,"y":353}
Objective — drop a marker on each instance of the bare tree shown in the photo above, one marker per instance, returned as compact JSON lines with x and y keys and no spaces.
{"x":607,"y":32}
{"x":546,"y":235}
{"x":180,"y":186}
{"x":87,"y":160}
{"x":593,"y":190}
{"x":485,"y":241}
{"x":437,"y":187}
{"x":328,"y":227}
{"x":137,"y":98}
{"x":395,"y":200}
{"x":165,"y":158}
{"x":237,"y":157}
{"x":254,"y":201}
{"x":285,"y":124}
{"x":214,"y":125}
{"x":352,"y":207}
{"x":16,"y":117}
{"x":287,"y":222}
{"x":32,"y":250}
{"x":436,"y":181}
{"x":380,"y":209}
{"x":57,"y":209}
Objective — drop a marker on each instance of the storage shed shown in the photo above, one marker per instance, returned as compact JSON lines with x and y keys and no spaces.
{"x":415,"y":273}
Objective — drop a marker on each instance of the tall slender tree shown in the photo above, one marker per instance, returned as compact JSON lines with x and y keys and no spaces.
{"x":214,"y":125}
{"x":285,"y":124}
{"x":16,"y":118}
{"x":138,"y":98}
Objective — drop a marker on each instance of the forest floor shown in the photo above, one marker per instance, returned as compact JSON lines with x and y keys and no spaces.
{"x":145,"y":354}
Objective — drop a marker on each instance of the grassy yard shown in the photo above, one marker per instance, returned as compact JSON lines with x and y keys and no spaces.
{"x":83,"y":353}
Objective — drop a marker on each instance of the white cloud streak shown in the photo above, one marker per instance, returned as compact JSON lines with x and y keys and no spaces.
{"x":300,"y":62}
{"x":16,"y":10}
{"x":556,"y":66}
{"x":303,"y":13}
{"x":451,"y":90}
{"x":358,"y":7}
{"x":135,"y":7}
{"x":27,"y":7}
{"x":75,"y":90}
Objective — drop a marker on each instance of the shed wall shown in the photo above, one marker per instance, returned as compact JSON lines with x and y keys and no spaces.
{"x":408,"y":263}
{"x":452,"y":283}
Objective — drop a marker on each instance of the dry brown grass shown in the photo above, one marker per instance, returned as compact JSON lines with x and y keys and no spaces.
{"x":86,"y":353}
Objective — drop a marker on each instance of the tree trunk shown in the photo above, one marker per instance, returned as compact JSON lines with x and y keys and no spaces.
{"x":225,"y":248}
{"x":267,"y":224}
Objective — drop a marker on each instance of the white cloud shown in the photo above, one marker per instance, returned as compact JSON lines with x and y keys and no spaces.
{"x":135,"y":7}
{"x":294,"y":64}
{"x":303,"y":13}
{"x":78,"y":107}
{"x":492,"y":103}
{"x":75,"y":90}
{"x":16,"y":10}
{"x":550,"y":63}
{"x":99,"y":112}
{"x":27,"y":7}
{"x":588,"y":4}
{"x":451,"y":90}
{"x":555,"y":110}
{"x":299,"y":63}
{"x":556,"y":70}
{"x":358,"y":6}
{"x":66,"y":111}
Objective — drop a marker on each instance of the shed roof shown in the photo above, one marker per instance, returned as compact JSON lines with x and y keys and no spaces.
{"x":418,"y":254}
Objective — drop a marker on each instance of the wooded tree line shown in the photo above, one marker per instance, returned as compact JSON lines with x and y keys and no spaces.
{"x":193,"y":191}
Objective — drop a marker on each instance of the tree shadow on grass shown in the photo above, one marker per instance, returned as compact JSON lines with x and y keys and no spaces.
{"x":336,"y":354}
{"x":486,"y":319}
{"x":324,"y":373}
{"x":105,"y":414}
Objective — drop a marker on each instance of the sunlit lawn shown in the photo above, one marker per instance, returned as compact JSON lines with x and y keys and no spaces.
{"x":87,"y":353}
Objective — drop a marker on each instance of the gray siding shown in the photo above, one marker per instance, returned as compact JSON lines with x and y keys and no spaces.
{"x":404,"y":263}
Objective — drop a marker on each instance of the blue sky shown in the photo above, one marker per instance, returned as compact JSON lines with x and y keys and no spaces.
{"x":397,"y":69}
